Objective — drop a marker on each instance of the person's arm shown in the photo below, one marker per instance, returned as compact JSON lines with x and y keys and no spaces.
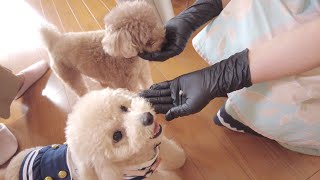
{"x":287,"y":54}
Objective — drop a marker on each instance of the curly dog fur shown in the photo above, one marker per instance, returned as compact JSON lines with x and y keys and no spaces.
{"x":107,"y":56}
{"x":90,"y":135}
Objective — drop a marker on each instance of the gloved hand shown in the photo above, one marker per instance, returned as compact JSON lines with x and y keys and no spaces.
{"x":190,"y":93}
{"x":180,"y":28}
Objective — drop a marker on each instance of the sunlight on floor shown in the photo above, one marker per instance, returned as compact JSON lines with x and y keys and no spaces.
{"x":19,"y":26}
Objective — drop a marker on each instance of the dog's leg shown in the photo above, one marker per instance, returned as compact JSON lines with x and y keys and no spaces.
{"x":172,"y":156}
{"x":87,"y":172}
{"x":161,"y":175}
{"x":145,"y":77}
{"x":107,"y":171}
{"x":72,"y":78}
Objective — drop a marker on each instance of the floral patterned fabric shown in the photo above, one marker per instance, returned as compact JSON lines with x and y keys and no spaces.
{"x":288,"y":109}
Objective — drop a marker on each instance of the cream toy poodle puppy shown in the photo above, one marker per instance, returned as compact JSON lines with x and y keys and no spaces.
{"x":108,"y":56}
{"x":111,"y":134}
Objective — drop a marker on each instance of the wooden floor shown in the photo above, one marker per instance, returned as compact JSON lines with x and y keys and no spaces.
{"x":39,"y":117}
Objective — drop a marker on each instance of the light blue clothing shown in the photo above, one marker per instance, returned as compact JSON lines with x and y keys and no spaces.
{"x":286,"y":110}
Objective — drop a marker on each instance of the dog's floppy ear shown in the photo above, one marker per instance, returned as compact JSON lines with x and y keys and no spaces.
{"x":119,"y":43}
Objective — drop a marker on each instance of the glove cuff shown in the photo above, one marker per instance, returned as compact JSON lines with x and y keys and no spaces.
{"x":200,"y":12}
{"x":231,"y":74}
{"x":241,"y":61}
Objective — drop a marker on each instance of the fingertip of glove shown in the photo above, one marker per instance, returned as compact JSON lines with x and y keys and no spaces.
{"x":144,"y":94}
{"x":154,"y":56}
{"x":141,"y":94}
{"x":169,"y":116}
{"x":145,"y":56}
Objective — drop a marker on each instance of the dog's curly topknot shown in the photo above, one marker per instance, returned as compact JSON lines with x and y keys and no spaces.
{"x":132,"y":27}
{"x":128,"y":13}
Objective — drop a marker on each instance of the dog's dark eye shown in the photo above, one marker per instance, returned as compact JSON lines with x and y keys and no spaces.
{"x":117,"y":136}
{"x":124,"y":109}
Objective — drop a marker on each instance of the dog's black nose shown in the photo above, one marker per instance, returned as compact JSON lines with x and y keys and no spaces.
{"x":147,"y":119}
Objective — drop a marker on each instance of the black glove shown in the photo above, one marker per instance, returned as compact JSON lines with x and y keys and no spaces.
{"x":180,"y":28}
{"x":190,"y":93}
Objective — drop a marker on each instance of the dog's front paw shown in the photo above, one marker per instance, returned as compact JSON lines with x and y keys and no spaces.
{"x":172,"y":155}
{"x":161,"y":175}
